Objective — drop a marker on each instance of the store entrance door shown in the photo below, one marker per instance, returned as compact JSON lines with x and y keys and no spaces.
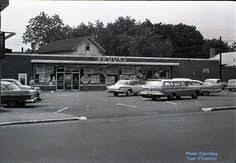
{"x":68,"y":81}
{"x":75,"y":81}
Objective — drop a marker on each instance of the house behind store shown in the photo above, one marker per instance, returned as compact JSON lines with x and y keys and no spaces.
{"x":81,"y":64}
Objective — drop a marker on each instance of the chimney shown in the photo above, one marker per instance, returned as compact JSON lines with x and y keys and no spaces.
{"x":212,"y":52}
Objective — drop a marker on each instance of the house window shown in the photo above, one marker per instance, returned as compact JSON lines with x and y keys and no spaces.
{"x":87,"y":46}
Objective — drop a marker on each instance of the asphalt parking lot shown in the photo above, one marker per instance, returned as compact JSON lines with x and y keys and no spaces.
{"x":100,"y":104}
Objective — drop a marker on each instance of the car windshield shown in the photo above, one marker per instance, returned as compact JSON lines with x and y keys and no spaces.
{"x":122,"y":82}
{"x":12,"y":87}
{"x":18,"y":83}
{"x":208,"y":82}
{"x":154,"y":83}
{"x":232,"y":82}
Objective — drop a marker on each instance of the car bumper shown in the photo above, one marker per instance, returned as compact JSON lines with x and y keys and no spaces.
{"x":116,"y":91}
{"x":33,"y":100}
{"x":149,"y":94}
{"x":211,"y":90}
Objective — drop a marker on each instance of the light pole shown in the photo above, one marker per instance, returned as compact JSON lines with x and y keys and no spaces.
{"x":220,"y":62}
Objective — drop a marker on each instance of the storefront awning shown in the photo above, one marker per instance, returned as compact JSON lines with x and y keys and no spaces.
{"x":104,"y":62}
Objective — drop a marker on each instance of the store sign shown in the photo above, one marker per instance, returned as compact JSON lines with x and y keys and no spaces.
{"x":112,"y":59}
{"x":85,"y":79}
{"x":206,"y":70}
{"x":110,"y":80}
{"x":94,"y":79}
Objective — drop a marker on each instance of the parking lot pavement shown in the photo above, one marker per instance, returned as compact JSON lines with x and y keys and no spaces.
{"x":24,"y":116}
{"x":99,"y":104}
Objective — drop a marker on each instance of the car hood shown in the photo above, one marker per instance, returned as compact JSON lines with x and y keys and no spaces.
{"x":26,"y":87}
{"x":116,"y":86}
{"x":146,"y":87}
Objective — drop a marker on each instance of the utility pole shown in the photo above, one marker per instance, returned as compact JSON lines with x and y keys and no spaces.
{"x":220,"y":62}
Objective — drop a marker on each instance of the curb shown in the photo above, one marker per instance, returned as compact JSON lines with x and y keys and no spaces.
{"x":219,"y":108}
{"x":38,"y":121}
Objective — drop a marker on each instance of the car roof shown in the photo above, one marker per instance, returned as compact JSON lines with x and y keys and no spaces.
{"x":128,"y":80}
{"x":5,"y":83}
{"x":9,"y":80}
{"x":212,"y":79}
{"x":181,"y":79}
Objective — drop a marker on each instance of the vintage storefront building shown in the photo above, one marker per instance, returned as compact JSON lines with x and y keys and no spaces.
{"x":80,"y":64}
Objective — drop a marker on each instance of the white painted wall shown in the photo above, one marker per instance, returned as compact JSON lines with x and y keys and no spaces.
{"x":93,"y":51}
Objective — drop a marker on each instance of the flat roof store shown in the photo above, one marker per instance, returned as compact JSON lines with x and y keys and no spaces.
{"x":73,"y":72}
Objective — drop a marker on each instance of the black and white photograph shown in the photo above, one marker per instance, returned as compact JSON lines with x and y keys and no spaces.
{"x":117,"y":81}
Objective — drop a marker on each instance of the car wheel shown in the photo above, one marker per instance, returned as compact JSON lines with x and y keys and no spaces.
{"x":12,"y":104}
{"x":195,"y":95}
{"x":170,"y":97}
{"x":154,"y":98}
{"x":129,"y":92}
{"x":21,"y":104}
{"x":178,"y":97}
{"x":115,"y":94}
{"x":205,"y":93}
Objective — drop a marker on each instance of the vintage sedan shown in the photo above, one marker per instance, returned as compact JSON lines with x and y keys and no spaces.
{"x":231,"y":86}
{"x":169,"y":88}
{"x":207,"y":87}
{"x":13,"y":96}
{"x":128,"y":87}
{"x":24,"y":87}
{"x":212,"y":86}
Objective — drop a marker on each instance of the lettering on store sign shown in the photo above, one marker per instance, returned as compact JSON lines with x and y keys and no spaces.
{"x":112,"y":59}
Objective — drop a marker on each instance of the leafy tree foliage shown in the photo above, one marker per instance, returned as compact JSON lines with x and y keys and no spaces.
{"x":126,"y":37}
{"x":44,"y":29}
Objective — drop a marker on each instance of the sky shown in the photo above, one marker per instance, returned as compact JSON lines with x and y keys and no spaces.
{"x":212,"y":19}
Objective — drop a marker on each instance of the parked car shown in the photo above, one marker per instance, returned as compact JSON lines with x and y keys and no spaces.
{"x":212,"y":86}
{"x":13,"y":96}
{"x":128,"y":87}
{"x":169,"y":88}
{"x":216,"y":82}
{"x":206,"y":88}
{"x":231,"y":86}
{"x":24,"y":87}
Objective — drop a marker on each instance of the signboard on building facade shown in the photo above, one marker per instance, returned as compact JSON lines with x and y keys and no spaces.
{"x":85,"y":79}
{"x":110,"y":80}
{"x":111,"y":59}
{"x":94,"y":79}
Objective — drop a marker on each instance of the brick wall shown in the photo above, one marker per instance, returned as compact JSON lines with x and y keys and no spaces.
{"x":12,"y":65}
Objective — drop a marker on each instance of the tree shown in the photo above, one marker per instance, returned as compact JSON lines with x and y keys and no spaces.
{"x":44,"y":29}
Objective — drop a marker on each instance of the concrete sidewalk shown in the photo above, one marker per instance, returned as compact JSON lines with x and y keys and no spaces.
{"x":24,"y":116}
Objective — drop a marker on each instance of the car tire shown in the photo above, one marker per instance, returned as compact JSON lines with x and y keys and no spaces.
{"x":129,"y":92}
{"x":12,"y":104}
{"x":170,"y":97}
{"x":154,"y":98}
{"x":178,"y":97}
{"x":205,"y":93}
{"x":21,"y":104}
{"x":194,"y":95}
{"x":115,"y":94}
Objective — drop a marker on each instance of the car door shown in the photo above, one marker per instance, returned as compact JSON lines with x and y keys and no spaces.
{"x":177,"y":88}
{"x":186,"y":88}
{"x":135,"y":86}
{"x":168,"y":88}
